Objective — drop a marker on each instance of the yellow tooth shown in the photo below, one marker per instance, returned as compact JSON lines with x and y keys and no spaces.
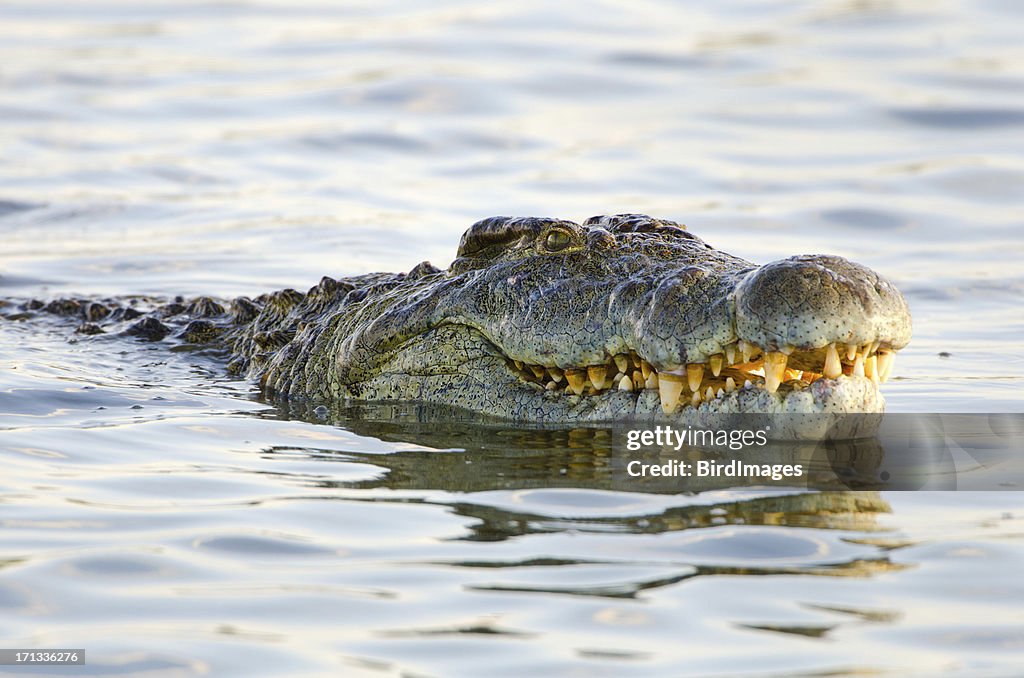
{"x":730,"y":384}
{"x":720,"y":392}
{"x":519,"y":364}
{"x":694,"y":375}
{"x":858,"y":365}
{"x":871,"y":369}
{"x":695,"y":400}
{"x":787,"y":349}
{"x":774,"y":370}
{"x":622,"y":362}
{"x":716,"y":364}
{"x":646,"y":369}
{"x":730,"y":353}
{"x":652,"y":381}
{"x":670,"y":386}
{"x":551,"y":386}
{"x":625,"y":384}
{"x":709,"y":394}
{"x":638,"y":380}
{"x":851,"y":351}
{"x":576,"y":379}
{"x":555,"y":373}
{"x":598,"y":374}
{"x":537,"y":370}
{"x":833,"y":368}
{"x":746,"y":350}
{"x":885,"y":361}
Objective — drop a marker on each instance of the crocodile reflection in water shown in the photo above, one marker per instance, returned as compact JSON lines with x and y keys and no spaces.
{"x":511,"y":482}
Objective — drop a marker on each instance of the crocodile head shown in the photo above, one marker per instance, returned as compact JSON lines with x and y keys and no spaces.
{"x":623,"y":316}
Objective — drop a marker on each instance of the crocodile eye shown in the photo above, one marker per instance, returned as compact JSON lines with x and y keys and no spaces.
{"x":557,"y":240}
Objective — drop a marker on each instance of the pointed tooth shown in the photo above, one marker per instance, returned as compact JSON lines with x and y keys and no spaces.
{"x":720,"y":392}
{"x":670,"y":386}
{"x":787,"y":349}
{"x":730,"y":384}
{"x":598,"y":375}
{"x":748,"y":384}
{"x":746,"y":350}
{"x":646,"y":369}
{"x":518,"y":364}
{"x":576,"y":379}
{"x":622,"y":362}
{"x":694,"y":375}
{"x":625,"y":384}
{"x":871,"y":369}
{"x":858,"y":365}
{"x":885,"y":361}
{"x":833,"y":368}
{"x":555,"y":373}
{"x":851,"y":351}
{"x":551,"y":386}
{"x":538,"y":371}
{"x":638,"y":380}
{"x":652,"y":381}
{"x":730,"y":354}
{"x":709,"y":394}
{"x":715,"y":362}
{"x":695,"y":400}
{"x":774,"y":370}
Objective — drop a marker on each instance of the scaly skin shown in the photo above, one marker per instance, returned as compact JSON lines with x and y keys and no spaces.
{"x":558,"y":298}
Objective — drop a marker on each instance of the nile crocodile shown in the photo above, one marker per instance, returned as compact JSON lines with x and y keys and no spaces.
{"x":547,"y":320}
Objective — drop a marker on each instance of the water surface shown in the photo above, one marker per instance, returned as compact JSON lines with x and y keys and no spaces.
{"x":154,"y":512}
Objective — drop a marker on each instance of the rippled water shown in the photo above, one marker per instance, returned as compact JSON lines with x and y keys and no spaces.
{"x":155,"y":513}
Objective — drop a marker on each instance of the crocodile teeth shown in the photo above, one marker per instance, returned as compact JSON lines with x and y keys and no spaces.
{"x":833,"y":368}
{"x":598,"y":374}
{"x":625,"y":384}
{"x":551,"y":386}
{"x":709,"y":394}
{"x":871,"y":369}
{"x":576,"y":379}
{"x":670,"y":386}
{"x":537,"y":370}
{"x":652,"y":381}
{"x":730,"y":384}
{"x":646,"y":369}
{"x":694,"y":375}
{"x":695,"y":400}
{"x":730,"y":353}
{"x":885,"y":362}
{"x":851,"y":351}
{"x":555,"y":373}
{"x":746,"y":350}
{"x":715,"y":362}
{"x":638,"y":380}
{"x":774,"y":370}
{"x":858,"y":365}
{"x":622,"y":362}
{"x":518,"y":364}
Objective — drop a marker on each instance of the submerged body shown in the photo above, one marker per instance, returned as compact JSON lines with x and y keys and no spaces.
{"x":550,"y":321}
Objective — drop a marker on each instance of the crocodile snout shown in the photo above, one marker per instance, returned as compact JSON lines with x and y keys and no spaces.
{"x":809,"y":301}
